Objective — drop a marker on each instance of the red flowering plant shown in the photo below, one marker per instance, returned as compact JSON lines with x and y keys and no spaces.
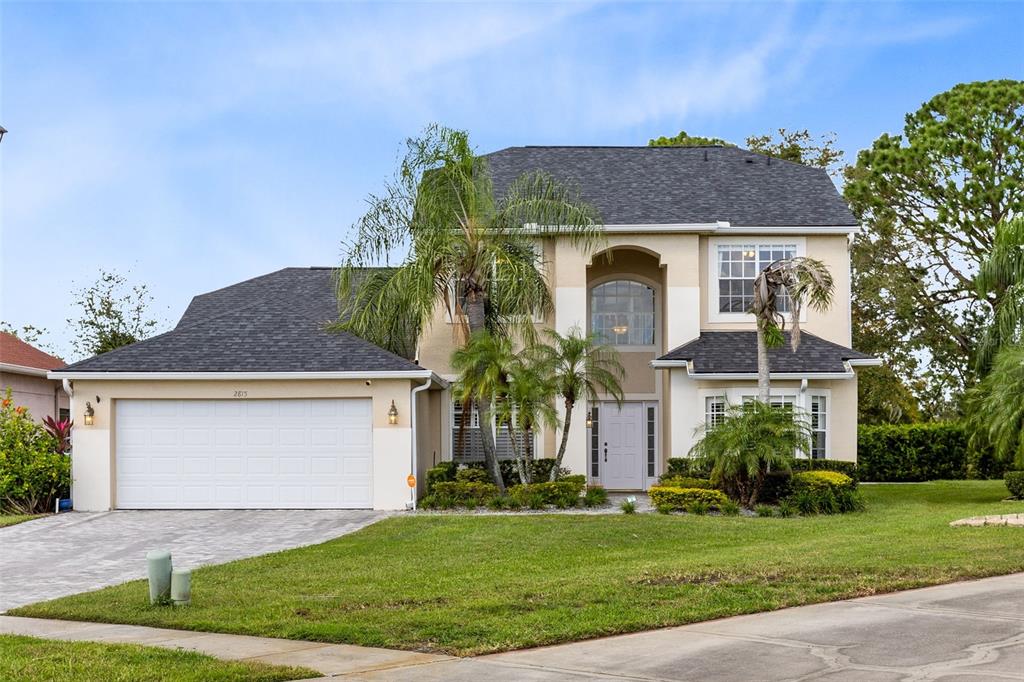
{"x":60,"y":429}
{"x":33,"y":471}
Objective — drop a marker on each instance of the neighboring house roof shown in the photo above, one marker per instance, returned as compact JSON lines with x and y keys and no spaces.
{"x":22,"y":358}
{"x":736,"y":353}
{"x":684,"y":185}
{"x":272,"y":323}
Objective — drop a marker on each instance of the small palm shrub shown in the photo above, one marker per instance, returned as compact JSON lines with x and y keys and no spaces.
{"x":628,"y":507}
{"x":746,"y":443}
{"x":678,"y":499}
{"x":1015,"y":483}
{"x":787,"y":509}
{"x":729,"y":508}
{"x":595,"y":496}
{"x":698,"y":508}
{"x":764,"y":510}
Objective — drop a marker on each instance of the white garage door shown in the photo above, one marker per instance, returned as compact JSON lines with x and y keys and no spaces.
{"x":243,"y":454}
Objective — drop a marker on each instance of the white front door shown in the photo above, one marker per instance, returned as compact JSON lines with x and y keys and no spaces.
{"x":621,"y":446}
{"x":244,"y":454}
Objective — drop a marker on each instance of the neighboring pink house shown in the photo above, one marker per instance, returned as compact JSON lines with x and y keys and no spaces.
{"x":23,"y":369}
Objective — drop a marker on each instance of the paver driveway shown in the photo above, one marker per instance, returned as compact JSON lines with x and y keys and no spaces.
{"x":61,"y":555}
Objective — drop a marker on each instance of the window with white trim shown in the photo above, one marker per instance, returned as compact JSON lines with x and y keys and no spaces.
{"x":622,"y":313}
{"x":714,"y":410}
{"x":739,"y":265}
{"x":819,"y":427}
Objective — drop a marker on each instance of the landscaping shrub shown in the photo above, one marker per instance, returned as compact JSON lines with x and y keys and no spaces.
{"x":776,"y":486}
{"x":698,"y":508}
{"x":472,"y":475}
{"x":1015,"y":483}
{"x":764,"y":510}
{"x":449,"y":494}
{"x":912,"y":452}
{"x":730,"y":508}
{"x":678,"y":499}
{"x":982,"y":464}
{"x":595,"y":496}
{"x":787,"y":508}
{"x":444,"y":471}
{"x":684,"y":466}
{"x":33,"y":474}
{"x":629,"y":507}
{"x":824,"y":492}
{"x":562,"y":494}
{"x":540,"y":471}
{"x":684,"y":482}
{"x":848,"y":468}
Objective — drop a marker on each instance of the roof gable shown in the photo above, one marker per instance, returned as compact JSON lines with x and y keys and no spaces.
{"x":14,"y":351}
{"x":735,"y":352}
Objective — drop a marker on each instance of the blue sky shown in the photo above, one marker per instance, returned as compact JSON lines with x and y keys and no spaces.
{"x":195,"y":145}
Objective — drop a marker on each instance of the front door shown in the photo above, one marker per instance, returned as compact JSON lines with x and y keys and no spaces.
{"x":621,"y":446}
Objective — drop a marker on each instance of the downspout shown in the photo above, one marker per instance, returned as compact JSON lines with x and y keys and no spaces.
{"x":411,"y":504}
{"x":66,"y":384}
{"x":803,"y":403}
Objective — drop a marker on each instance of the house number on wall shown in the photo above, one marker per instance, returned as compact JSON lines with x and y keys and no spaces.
{"x":241,"y":394}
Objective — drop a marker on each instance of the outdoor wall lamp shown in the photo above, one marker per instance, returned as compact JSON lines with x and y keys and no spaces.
{"x":393,"y":414}
{"x":90,"y":414}
{"x":590,"y":419}
{"x":3,"y":131}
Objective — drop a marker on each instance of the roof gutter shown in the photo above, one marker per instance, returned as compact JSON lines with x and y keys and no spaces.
{"x":865,"y":362}
{"x":23,"y":369}
{"x":726,"y":376}
{"x":414,"y":450}
{"x":251,"y":376}
{"x":717,"y":227}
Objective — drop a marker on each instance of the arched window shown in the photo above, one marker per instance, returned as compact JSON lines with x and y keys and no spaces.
{"x":622,"y":313}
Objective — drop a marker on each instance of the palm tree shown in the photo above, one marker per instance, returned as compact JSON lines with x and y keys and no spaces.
{"x":995,"y":409}
{"x":749,"y":441}
{"x":804,"y":281}
{"x":483,"y":365}
{"x":581,"y":367}
{"x":526,"y":405}
{"x":462,"y":248}
{"x":1000,"y":279}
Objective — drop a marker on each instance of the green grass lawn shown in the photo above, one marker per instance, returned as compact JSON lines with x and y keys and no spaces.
{"x":11,"y":519}
{"x":27,"y":659}
{"x":473,"y":584}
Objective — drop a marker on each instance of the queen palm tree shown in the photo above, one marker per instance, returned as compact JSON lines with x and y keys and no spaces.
{"x":483,"y":365}
{"x":1000,"y":279}
{"x":525,"y":406}
{"x":461,"y":247}
{"x":804,"y":281}
{"x":581,"y":368}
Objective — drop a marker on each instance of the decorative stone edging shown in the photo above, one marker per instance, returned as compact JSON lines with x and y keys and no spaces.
{"x":993,"y":520}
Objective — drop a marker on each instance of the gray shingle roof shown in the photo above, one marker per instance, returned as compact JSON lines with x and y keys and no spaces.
{"x":272,"y":323}
{"x":736,"y":353}
{"x":664,"y":185}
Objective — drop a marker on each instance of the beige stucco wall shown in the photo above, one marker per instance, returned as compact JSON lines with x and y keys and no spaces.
{"x":93,"y":447}
{"x":38,"y":394}
{"x":687,"y":411}
{"x":678,"y":264}
{"x":833,"y":250}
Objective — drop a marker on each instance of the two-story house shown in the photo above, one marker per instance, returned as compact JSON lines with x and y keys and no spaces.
{"x":250,"y":403}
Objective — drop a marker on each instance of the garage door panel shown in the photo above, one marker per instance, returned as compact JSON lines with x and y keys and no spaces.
{"x":243,"y":454}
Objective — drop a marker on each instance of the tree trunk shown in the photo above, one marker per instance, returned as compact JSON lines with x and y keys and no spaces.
{"x":521,"y":462}
{"x":565,"y":441}
{"x":487,"y":438}
{"x":764,"y":384}
{"x":475,"y":316}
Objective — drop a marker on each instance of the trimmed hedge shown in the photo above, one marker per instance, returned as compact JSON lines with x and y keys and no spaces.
{"x":1015,"y":483}
{"x":912,"y":452}
{"x":666,"y":498}
{"x":848,"y":468}
{"x":562,"y":494}
{"x":822,"y":480}
{"x":684,"y":482}
{"x":684,"y":466}
{"x":824,"y":492}
{"x":448,"y":494}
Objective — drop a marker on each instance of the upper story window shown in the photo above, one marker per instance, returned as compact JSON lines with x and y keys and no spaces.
{"x":622,"y":313}
{"x":739,"y":265}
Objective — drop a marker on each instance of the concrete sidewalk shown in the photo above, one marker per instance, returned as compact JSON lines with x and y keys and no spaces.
{"x":969,"y":631}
